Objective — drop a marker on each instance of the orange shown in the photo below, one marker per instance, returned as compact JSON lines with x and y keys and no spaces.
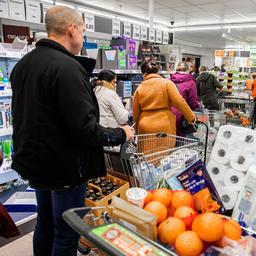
{"x":188,"y":244}
{"x":170,"y":211}
{"x":158,"y":209}
{"x":169,"y":229}
{"x":185,"y":213}
{"x":182,"y":198}
{"x":163,"y":195}
{"x":209,"y":227}
{"x":148,"y":198}
{"x":232,"y":230}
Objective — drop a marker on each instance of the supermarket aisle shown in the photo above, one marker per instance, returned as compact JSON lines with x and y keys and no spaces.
{"x":21,"y":246}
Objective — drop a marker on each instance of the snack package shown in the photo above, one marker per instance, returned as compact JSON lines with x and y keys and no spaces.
{"x":196,"y":180}
{"x":134,"y":218}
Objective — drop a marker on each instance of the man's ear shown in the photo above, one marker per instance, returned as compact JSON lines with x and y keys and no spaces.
{"x":71,"y":30}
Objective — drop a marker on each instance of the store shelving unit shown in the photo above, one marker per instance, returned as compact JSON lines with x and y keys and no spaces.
{"x":130,"y":72}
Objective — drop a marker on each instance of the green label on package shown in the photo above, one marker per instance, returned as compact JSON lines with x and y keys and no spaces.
{"x":126,"y":242}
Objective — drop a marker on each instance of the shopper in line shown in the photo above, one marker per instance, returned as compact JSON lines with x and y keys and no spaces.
{"x":152,"y":104}
{"x":207,"y":85}
{"x":58,"y":142}
{"x":112,"y":111}
{"x":187,"y":87}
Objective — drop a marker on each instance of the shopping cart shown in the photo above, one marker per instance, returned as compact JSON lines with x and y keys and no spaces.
{"x":112,"y":238}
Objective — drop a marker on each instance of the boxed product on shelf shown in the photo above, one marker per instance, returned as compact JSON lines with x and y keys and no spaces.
{"x":101,"y":195}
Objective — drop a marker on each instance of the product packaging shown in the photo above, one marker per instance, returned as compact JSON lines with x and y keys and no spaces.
{"x":134,"y":218}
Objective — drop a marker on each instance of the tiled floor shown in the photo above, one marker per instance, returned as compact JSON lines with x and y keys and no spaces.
{"x":19,"y":247}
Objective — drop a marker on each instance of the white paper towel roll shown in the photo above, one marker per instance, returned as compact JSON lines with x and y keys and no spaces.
{"x":240,"y":160}
{"x":219,"y":153}
{"x":228,"y":198}
{"x":234,"y":179}
{"x":227,"y":134}
{"x":249,"y":140}
{"x":216,"y":170}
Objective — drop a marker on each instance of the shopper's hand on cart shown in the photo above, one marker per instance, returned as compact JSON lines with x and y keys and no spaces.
{"x":129,"y":131}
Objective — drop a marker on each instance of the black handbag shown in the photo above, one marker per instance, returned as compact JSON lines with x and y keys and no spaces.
{"x":188,"y":128}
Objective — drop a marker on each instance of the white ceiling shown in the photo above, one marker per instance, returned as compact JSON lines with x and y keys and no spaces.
{"x":191,"y":12}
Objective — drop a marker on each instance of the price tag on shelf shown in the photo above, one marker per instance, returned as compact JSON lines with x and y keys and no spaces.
{"x":116,"y":28}
{"x":152,"y":35}
{"x":33,"y":11}
{"x":136,"y":32}
{"x":127,"y":29}
{"x":17,"y":9}
{"x":159,"y":35}
{"x":4,"y":9}
{"x":165,"y":37}
{"x":143,"y":33}
{"x":89,"y":22}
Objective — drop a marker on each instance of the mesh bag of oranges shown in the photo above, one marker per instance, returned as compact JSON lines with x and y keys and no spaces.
{"x":180,"y":226}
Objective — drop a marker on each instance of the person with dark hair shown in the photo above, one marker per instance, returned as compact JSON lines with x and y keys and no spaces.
{"x":112,"y":111}
{"x":207,"y":85}
{"x":153,"y":101}
{"x":187,"y":88}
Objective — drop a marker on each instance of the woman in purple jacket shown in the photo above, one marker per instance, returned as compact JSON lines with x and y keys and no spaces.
{"x":187,"y":86}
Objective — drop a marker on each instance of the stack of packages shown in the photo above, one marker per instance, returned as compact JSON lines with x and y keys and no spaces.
{"x":232,"y":167}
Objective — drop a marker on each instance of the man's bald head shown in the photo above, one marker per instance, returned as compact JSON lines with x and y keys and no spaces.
{"x":59,"y":18}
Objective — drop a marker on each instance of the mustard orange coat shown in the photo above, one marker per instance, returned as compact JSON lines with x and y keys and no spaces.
{"x":152,"y":104}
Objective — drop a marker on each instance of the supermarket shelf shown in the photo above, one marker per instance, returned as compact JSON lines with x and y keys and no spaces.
{"x":6,"y":132}
{"x":8,"y":175}
{"x":136,"y":71}
{"x":6,"y":93}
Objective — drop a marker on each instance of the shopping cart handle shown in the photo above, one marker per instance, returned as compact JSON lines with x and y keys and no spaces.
{"x":74,"y":217}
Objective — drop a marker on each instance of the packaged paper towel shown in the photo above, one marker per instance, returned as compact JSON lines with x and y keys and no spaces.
{"x":216,"y":170}
{"x":228,"y":197}
{"x":220,"y":153}
{"x":240,"y":160}
{"x":245,"y":207}
{"x":234,"y":179}
{"x":227,"y":134}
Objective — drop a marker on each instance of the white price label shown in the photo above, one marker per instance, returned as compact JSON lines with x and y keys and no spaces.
{"x":165,"y":37}
{"x":17,"y":9}
{"x":116,"y":27}
{"x":4,"y":9}
{"x":127,"y":29}
{"x":89,"y":22}
{"x":152,"y":35}
{"x":33,"y":11}
{"x":143,"y":33}
{"x":159,"y":35}
{"x":136,"y":32}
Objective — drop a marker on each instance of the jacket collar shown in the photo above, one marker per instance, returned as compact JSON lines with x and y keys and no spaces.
{"x":87,"y":63}
{"x":152,"y":76}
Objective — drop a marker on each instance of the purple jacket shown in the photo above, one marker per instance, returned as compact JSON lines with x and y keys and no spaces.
{"x":187,"y":87}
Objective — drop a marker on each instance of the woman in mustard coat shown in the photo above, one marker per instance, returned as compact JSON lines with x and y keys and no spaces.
{"x":153,"y":101}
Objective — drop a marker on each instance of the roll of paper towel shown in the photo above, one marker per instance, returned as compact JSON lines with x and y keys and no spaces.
{"x":249,"y":140}
{"x":227,"y":134}
{"x":228,"y":198}
{"x":219,"y":153}
{"x":234,"y":179}
{"x":216,"y":170}
{"x":240,"y":160}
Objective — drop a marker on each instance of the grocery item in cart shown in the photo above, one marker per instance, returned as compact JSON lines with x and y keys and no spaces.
{"x":245,"y":207}
{"x":134,"y":218}
{"x":136,"y":196}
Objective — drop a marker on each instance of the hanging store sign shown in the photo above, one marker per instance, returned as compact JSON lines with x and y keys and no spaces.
{"x":127,"y":29}
{"x":33,"y":11}
{"x":165,"y":37}
{"x":116,"y":28}
{"x":159,"y":36}
{"x":143,"y":33}
{"x":17,"y":9}
{"x":89,"y":22}
{"x":136,"y":32}
{"x":152,"y":35}
{"x":4,"y":10}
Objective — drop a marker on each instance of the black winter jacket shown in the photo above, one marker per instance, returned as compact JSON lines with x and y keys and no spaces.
{"x":206,"y":85}
{"x":57,"y":139}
